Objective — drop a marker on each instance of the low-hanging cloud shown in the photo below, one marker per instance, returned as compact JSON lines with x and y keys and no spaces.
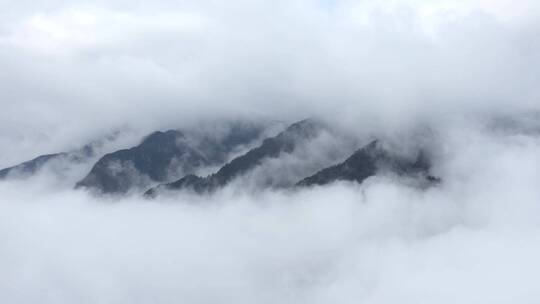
{"x":79,"y":69}
{"x":457,"y":78}
{"x":472,"y":238}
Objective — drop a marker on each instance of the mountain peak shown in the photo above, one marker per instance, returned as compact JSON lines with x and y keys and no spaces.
{"x":272,"y":147}
{"x":368,"y":161}
{"x":163,"y":156}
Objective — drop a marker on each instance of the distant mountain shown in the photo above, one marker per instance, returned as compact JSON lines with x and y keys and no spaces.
{"x":31,"y":167}
{"x":273,"y":147}
{"x":178,"y":159}
{"x":367,"y":162}
{"x":164,"y":156}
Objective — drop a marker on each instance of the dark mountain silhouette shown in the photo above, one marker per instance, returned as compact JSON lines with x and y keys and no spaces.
{"x":284,"y":142}
{"x":367,"y":162}
{"x":162,"y":156}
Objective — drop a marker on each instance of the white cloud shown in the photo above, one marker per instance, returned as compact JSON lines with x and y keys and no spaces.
{"x":80,"y":67}
{"x":73,"y":71}
{"x":79,"y":29}
{"x":473,"y":239}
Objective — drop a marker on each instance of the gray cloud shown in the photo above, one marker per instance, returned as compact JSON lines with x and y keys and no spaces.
{"x":471,"y":239}
{"x":78,"y":68}
{"x":457,"y":77}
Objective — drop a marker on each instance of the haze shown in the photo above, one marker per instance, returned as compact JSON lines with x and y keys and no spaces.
{"x":464,"y":72}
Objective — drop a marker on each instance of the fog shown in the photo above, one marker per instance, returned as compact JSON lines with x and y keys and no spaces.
{"x":458,"y":77}
{"x":473,"y":238}
{"x":72,"y":71}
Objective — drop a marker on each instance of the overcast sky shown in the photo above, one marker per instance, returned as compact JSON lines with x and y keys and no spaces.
{"x":72,"y":70}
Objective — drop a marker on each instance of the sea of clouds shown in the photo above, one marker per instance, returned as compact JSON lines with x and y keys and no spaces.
{"x":473,"y":238}
{"x":466,"y":71}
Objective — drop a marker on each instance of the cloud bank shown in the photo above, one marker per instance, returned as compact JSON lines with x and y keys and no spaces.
{"x":458,"y":76}
{"x":74,"y":70}
{"x":472,"y":239}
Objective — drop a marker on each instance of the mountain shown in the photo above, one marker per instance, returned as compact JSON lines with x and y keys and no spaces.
{"x":368,"y":161}
{"x":285,"y":142}
{"x":164,"y":156}
{"x":31,"y":167}
{"x":177,"y":160}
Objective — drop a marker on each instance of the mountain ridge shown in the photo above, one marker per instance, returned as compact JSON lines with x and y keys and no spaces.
{"x":163,"y":154}
{"x":272,"y":147}
{"x":369,"y":161}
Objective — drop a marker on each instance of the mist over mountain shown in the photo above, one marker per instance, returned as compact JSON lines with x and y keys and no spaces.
{"x":63,"y":164}
{"x":299,"y":150}
{"x":164,"y":156}
{"x":364,"y":163}
{"x":287,"y":151}
{"x":285,"y":142}
{"x":367,"y":162}
{"x":30,"y":167}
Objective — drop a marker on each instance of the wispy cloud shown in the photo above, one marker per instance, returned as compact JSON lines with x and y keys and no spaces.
{"x":457,"y":76}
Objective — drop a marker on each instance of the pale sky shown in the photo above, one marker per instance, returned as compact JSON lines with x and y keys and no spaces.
{"x":460,"y":76}
{"x":80,"y":68}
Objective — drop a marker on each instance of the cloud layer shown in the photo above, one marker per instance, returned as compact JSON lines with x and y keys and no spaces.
{"x":472,"y":239}
{"x":459,"y":76}
{"x":74,"y":70}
